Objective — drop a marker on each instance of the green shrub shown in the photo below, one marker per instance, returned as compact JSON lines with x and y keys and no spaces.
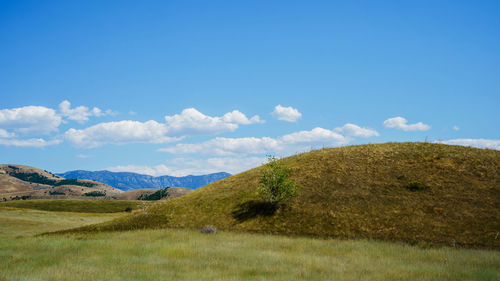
{"x":415,"y":186}
{"x":154,"y":196}
{"x":275,"y":186}
{"x":56,"y":193}
{"x":95,"y":193}
{"x":37,"y":178}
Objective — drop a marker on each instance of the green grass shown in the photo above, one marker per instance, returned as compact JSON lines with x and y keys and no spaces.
{"x":190,"y":255}
{"x":15,"y":223}
{"x":171,"y":254}
{"x":76,"y":205}
{"x":354,"y":192}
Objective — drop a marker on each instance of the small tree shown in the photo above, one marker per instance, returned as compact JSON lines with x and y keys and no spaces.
{"x":275,"y":186}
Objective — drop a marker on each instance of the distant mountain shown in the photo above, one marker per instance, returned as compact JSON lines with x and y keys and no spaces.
{"x":130,"y":181}
{"x":26,"y":182}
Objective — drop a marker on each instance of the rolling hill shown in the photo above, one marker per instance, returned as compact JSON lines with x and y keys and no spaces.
{"x":129,"y":181}
{"x":354,"y":192}
{"x":173,"y":192}
{"x":18,"y":181}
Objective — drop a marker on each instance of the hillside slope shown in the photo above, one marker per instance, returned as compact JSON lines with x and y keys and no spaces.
{"x":129,"y":181}
{"x":354,"y":192}
{"x":173,"y":192}
{"x":19,"y":180}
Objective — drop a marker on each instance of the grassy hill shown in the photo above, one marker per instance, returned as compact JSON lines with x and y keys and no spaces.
{"x":173,"y":192}
{"x":135,"y":194}
{"x":354,"y":192}
{"x":17,"y":181}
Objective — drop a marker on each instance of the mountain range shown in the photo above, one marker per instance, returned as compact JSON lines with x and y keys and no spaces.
{"x":130,"y":181}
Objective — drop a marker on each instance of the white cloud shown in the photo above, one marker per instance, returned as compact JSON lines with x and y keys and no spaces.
{"x":120,"y":132}
{"x":288,"y":114}
{"x":402,"y":124}
{"x":356,"y":131}
{"x":189,"y":122}
{"x":155,"y":171}
{"x":456,"y":128}
{"x":5,"y":134}
{"x":30,"y":120}
{"x":193,"y":122}
{"x":29,"y":142}
{"x":479,"y":143}
{"x":227,"y":146}
{"x":316,"y":136}
{"x":180,"y":167}
{"x":291,"y":143}
{"x":237,"y":117}
{"x":81,"y":113}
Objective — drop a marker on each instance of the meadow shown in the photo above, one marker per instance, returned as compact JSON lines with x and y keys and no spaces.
{"x":353,"y":192}
{"x":77,"y":205}
{"x":187,"y":254}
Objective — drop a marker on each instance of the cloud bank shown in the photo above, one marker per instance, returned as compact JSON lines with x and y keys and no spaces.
{"x":30,"y":120}
{"x":180,"y":167}
{"x":290,"y":143}
{"x":190,"y":122}
{"x":81,"y":113}
{"x":479,"y":143}
{"x":193,"y":122}
{"x":18,"y":124}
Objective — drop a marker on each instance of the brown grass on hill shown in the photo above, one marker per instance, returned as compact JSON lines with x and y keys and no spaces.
{"x":354,"y":192}
{"x":10,"y":186}
{"x":134,"y":194}
{"x":174,"y":192}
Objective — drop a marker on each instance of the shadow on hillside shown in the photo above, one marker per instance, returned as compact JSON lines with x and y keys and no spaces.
{"x":252,"y":209}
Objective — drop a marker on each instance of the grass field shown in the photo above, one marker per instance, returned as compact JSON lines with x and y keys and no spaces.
{"x":354,"y":192}
{"x":17,"y":223}
{"x":171,"y":254}
{"x":77,"y":205}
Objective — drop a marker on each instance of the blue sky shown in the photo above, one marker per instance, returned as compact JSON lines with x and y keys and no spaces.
{"x":191,"y":87}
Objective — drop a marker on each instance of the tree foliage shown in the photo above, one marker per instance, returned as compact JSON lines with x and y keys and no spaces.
{"x":41,"y":179}
{"x":154,"y":196}
{"x":96,"y":193}
{"x":275,"y":186}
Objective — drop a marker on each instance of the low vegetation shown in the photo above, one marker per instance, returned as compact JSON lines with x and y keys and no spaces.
{"x":96,"y":193}
{"x":416,"y":186}
{"x":76,"y":205}
{"x":41,"y":179}
{"x":275,"y":184}
{"x":16,"y":223}
{"x":23,"y":197}
{"x":173,"y":254}
{"x":353,"y":192}
{"x":55,"y":192}
{"x":157,"y":195}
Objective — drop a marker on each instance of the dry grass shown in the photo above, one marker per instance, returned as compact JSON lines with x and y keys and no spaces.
{"x":170,"y":254}
{"x":354,"y":192}
{"x":16,"y":223}
{"x":76,"y":205}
